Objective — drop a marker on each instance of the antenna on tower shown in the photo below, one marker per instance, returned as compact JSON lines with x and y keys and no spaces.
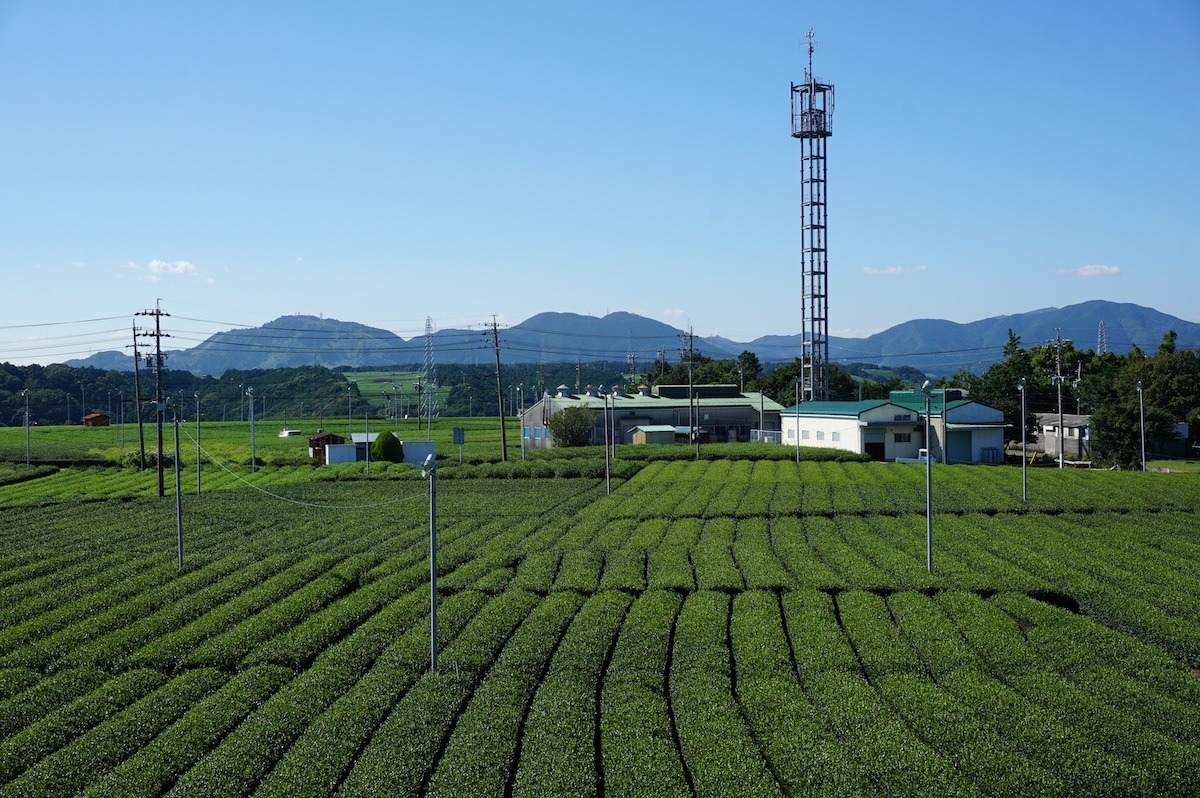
{"x":812,"y":117}
{"x":811,"y":46}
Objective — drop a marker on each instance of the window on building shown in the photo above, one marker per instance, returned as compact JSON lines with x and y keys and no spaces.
{"x":902,"y":417}
{"x":820,"y":434}
{"x":837,"y":436}
{"x":804,"y":435}
{"x":791,"y":435}
{"x":903,"y":437}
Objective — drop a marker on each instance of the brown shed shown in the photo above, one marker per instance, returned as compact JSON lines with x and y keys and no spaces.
{"x":318,"y":442}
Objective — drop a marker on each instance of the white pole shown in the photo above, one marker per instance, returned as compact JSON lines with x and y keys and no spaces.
{"x":25,"y":393}
{"x":250,"y":393}
{"x":197,"y":443}
{"x":178,"y":499}
{"x":430,"y":468}
{"x":1142,"y":421}
{"x":928,"y":486}
{"x":1024,"y":456}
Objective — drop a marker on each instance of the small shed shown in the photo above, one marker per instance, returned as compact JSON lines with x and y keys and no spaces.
{"x":653,"y":433}
{"x":96,"y":420}
{"x":318,"y":442}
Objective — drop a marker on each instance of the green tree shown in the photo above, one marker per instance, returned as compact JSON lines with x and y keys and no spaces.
{"x":572,"y":426}
{"x":387,"y":448}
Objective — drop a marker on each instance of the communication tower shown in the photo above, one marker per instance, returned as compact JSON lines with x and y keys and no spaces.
{"x":812,"y":118}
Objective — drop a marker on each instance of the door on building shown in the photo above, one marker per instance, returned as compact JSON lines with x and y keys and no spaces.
{"x":958,"y":446}
{"x":875,"y":444}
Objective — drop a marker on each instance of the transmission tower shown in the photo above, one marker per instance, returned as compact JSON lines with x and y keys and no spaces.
{"x":1101,"y":339}
{"x":812,"y":117}
{"x":428,"y":367}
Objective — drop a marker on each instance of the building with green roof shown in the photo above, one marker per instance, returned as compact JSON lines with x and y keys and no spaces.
{"x":961,"y":431}
{"x":716,"y":413}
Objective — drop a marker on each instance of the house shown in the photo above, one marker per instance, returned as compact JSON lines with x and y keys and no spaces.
{"x":961,"y":431}
{"x":716,"y":413}
{"x":1073,"y":436}
{"x":95,"y":420}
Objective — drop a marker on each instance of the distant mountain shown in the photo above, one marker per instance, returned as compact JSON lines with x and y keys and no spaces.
{"x":934,"y":346}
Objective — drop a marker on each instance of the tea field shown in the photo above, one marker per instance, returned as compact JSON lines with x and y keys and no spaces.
{"x":723,"y":627}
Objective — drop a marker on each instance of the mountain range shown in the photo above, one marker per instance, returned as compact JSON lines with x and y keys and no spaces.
{"x":935,"y":346}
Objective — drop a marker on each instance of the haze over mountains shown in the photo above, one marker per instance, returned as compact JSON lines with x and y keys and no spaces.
{"x":934,"y":346}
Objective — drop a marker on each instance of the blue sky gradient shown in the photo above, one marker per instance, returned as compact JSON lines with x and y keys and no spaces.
{"x":388,"y":162}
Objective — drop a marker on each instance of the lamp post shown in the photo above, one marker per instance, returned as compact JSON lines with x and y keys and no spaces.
{"x":1142,"y":421}
{"x":1024,"y":436}
{"x":82,"y":401}
{"x":928,"y":486}
{"x":349,"y":408}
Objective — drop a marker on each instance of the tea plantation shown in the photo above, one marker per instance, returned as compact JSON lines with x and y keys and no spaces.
{"x":724,"y":627}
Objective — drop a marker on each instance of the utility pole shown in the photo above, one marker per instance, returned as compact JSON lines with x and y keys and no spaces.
{"x":157,"y":335}
{"x":500,"y":391}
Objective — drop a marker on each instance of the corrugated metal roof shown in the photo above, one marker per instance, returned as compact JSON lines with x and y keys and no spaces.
{"x":748,"y":399}
{"x":835,"y":408}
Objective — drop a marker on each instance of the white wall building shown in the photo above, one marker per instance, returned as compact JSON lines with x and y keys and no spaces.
{"x":961,"y":431}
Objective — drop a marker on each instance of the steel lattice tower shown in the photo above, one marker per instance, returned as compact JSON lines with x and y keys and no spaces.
{"x":812,"y":118}
{"x":429,"y":367}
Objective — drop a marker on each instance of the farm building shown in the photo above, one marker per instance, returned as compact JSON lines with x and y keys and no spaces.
{"x":96,"y":420}
{"x":1074,"y":435}
{"x":718,"y":413}
{"x":656,"y":433}
{"x":318,"y":442}
{"x":961,"y":431}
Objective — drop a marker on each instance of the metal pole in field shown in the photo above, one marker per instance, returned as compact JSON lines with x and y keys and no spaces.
{"x":367,"y":440}
{"x":607,"y":466}
{"x":797,"y":421}
{"x":430,"y":470}
{"x":1142,"y":421}
{"x":1024,"y":436}
{"x":250,"y":394}
{"x":928,"y":486}
{"x":25,"y":393}
{"x":178,"y":498}
{"x":197,"y":443}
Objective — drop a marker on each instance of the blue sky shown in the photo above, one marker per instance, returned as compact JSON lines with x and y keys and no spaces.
{"x":388,"y":162}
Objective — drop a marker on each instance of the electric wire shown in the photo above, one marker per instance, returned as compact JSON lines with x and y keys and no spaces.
{"x":266,"y":492}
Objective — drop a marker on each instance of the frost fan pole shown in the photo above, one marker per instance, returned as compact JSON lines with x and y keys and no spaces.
{"x":430,"y":469}
{"x":178,"y":497}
